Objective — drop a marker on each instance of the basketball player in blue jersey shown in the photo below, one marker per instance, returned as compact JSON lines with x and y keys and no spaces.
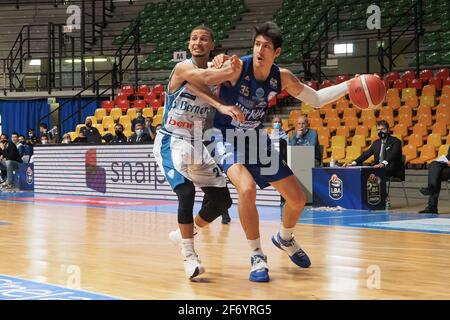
{"x":179,"y":149}
{"x":251,"y":86}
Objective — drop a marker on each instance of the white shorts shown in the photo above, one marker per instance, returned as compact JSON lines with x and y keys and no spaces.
{"x":179,"y":159}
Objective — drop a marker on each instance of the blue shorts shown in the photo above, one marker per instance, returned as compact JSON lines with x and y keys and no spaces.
{"x":266,"y":167}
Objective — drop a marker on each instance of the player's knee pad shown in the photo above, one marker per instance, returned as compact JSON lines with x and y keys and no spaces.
{"x":186,"y":197}
{"x":225,"y":201}
{"x":218,"y":201}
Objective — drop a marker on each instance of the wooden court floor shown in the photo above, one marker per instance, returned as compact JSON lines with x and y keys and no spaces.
{"x":127,"y":254}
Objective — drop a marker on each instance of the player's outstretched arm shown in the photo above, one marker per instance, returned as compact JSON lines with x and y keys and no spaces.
{"x":318,"y":98}
{"x":205,"y":94}
{"x":210,"y":76}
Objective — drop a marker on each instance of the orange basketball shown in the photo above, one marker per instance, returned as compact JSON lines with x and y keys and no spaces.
{"x":367,"y":91}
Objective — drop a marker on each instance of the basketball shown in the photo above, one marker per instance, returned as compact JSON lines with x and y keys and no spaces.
{"x":367,"y":91}
{"x":151,"y":103}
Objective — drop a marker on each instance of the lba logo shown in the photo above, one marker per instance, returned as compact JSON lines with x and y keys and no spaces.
{"x":95,"y":175}
{"x":336,"y":187}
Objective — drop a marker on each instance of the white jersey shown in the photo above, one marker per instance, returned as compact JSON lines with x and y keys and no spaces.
{"x":178,"y":148}
{"x":184,"y":112}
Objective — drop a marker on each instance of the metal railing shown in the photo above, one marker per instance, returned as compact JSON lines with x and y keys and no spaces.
{"x":49,"y":42}
{"x":116,"y":74}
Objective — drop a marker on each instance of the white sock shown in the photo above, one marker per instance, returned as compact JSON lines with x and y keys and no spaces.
{"x":196,"y":231}
{"x":286,"y":233}
{"x":187,"y":247}
{"x":255,"y":245}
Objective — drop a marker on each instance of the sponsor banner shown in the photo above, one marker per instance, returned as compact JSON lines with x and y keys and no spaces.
{"x":124,"y":171}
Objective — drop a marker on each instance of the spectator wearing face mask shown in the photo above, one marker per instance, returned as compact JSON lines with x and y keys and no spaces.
{"x":31,"y":136}
{"x":387,"y":152}
{"x":26,"y":150}
{"x":91,"y":133}
{"x":139,"y":119}
{"x":43,"y":128}
{"x":279,"y":137}
{"x":277,"y":130}
{"x":119,"y":137}
{"x":139,"y":135}
{"x":9,"y":162}
{"x":149,"y":128}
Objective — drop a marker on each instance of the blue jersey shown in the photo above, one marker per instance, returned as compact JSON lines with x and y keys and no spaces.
{"x":250,"y":95}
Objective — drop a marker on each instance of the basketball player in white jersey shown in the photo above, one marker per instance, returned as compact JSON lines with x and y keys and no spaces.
{"x":179,"y":149}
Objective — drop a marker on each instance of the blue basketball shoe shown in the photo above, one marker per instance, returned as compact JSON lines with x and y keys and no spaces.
{"x":297,"y":255}
{"x":259,"y":271}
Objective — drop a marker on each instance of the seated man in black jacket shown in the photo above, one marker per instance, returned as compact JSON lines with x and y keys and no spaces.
{"x":438,"y":171}
{"x":9,"y":161}
{"x":119,"y":136}
{"x":139,"y":136}
{"x":81,"y":138}
{"x":387,"y":152}
{"x":91,"y":133}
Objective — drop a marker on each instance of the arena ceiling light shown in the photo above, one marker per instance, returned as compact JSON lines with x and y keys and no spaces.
{"x":35,"y":62}
{"x":86,"y":60}
{"x":343,"y":48}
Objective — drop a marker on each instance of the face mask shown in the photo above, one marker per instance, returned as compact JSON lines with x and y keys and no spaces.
{"x":277,"y":125}
{"x":119,"y":132}
{"x":383,"y":135}
{"x":89,"y":124}
{"x":44,"y":141}
{"x":139,"y":132}
{"x":66,"y":140}
{"x":30,"y":135}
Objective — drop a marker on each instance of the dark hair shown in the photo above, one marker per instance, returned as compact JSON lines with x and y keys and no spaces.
{"x":43,"y":125}
{"x":383,"y":123}
{"x":270,"y":30}
{"x":4,"y":134}
{"x":207,"y":29}
{"x":15,"y":133}
{"x":22,"y":136}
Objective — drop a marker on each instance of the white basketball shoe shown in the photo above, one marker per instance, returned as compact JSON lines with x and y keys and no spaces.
{"x":192,"y":265}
